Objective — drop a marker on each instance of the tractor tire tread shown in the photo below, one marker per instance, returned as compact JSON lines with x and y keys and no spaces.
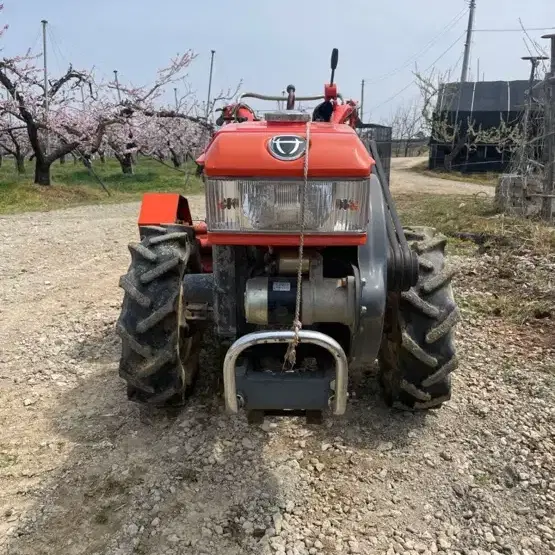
{"x":157,"y":360}
{"x":438,"y":281}
{"x":158,"y":315}
{"x":143,"y":251}
{"x":126,"y":283}
{"x":144,"y":350}
{"x":420,"y":304}
{"x":416,"y":365}
{"x":443,"y":327}
{"x":176,"y":235}
{"x":158,"y":271}
{"x":151,"y":365}
{"x":410,"y":345}
{"x":154,"y":229}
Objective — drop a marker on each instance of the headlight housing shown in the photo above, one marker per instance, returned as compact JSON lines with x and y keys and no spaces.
{"x":274,"y":206}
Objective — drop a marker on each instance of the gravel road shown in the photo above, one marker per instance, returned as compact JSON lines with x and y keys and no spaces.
{"x":407,"y":181}
{"x":82,"y":471}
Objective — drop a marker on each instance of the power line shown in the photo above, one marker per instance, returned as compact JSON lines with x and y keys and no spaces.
{"x":427,"y":47}
{"x":539,"y":50}
{"x":52,"y":33}
{"x":456,"y":66}
{"x":513,"y":30}
{"x":61,"y":41}
{"x":37,"y":38}
{"x":57,"y":51}
{"x":427,"y":69}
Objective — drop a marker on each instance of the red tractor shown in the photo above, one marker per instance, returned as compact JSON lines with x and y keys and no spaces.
{"x":302,"y":268}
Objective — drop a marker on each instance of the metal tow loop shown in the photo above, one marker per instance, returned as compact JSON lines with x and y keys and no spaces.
{"x":291,"y":354}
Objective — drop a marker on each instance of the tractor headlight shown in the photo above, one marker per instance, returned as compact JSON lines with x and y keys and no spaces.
{"x":274,"y":206}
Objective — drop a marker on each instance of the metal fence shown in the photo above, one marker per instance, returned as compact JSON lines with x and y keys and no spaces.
{"x":382,"y":135}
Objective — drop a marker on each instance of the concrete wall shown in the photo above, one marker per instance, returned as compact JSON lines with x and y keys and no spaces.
{"x":519,"y":196}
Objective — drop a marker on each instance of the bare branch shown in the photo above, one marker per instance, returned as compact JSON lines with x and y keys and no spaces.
{"x":71,"y":75}
{"x":170,"y":74}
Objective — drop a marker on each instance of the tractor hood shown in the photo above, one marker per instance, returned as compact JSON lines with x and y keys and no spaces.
{"x":277,"y":149}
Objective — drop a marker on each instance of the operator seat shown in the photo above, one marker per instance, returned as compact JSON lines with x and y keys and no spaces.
{"x":323,"y":111}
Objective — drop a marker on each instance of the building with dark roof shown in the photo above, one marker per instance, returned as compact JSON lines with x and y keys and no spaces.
{"x":486,"y":105}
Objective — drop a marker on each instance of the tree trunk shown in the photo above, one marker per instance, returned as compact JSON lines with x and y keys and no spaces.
{"x":126,"y":163}
{"x":1,"y":159}
{"x":42,"y":172}
{"x":20,"y":164}
{"x":63,"y":160}
{"x":102,"y":157}
{"x":176,"y":159}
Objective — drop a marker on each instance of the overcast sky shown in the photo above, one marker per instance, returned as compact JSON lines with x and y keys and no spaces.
{"x":271,"y":44}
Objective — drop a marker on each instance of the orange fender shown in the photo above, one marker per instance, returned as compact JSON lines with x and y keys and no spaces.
{"x":164,"y":208}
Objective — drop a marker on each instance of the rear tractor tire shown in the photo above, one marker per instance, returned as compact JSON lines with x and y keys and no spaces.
{"x":159,"y":357}
{"x":417,"y":354}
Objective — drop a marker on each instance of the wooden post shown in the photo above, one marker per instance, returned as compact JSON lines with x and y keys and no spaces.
{"x":549,"y":179}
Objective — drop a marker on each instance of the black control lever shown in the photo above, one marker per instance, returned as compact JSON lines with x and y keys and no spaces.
{"x":334,"y":60}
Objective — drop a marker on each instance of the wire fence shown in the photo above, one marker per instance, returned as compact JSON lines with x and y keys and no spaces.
{"x":521,"y":189}
{"x":382,"y":135}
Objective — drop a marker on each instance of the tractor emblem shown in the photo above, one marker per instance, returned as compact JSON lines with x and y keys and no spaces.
{"x":287,"y":147}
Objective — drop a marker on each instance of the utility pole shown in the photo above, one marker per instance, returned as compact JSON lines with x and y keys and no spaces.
{"x":176,"y":101}
{"x":469,"y":30}
{"x":362,"y":101}
{"x":117,"y":85}
{"x":44,"y":24}
{"x":548,"y":188}
{"x":210,"y":83}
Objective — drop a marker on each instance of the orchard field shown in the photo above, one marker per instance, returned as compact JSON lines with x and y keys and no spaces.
{"x":73,"y":184}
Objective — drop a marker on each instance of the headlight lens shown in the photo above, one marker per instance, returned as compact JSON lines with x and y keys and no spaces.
{"x":275,"y":206}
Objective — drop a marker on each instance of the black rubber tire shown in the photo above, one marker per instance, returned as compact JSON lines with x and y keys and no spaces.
{"x":157,"y":372}
{"x":418,"y":356}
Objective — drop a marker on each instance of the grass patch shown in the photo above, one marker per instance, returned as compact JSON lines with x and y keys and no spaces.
{"x":452,"y":214}
{"x":487,"y":178}
{"x":514,"y":281}
{"x":73,"y":185}
{"x":510,"y":305}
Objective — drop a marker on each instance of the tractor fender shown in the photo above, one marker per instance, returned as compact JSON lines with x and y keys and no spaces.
{"x":372,"y":266}
{"x":164,"y":209}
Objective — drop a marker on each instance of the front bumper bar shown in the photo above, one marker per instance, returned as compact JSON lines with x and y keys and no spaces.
{"x":305,"y":336}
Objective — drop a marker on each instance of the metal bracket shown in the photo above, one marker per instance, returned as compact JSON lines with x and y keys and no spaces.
{"x":198,"y":311}
{"x":282,"y":336}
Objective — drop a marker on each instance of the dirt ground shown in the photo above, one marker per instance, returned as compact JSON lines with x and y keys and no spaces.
{"x":405,"y":181}
{"x":83,"y":471}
